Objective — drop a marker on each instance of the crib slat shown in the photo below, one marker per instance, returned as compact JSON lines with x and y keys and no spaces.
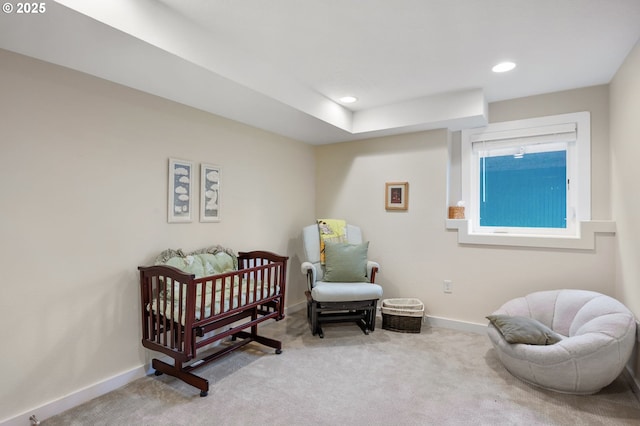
{"x":216,"y":295}
{"x":162,"y":306}
{"x":172,"y":324}
{"x":203,"y":294}
{"x":179,"y":330}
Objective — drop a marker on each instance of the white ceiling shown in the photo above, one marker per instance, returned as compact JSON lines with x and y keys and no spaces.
{"x":282,"y":65}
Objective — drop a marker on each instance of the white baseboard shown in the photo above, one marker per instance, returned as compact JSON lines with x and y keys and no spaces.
{"x":471,"y":327}
{"x":452,"y":324}
{"x":76,"y":398}
{"x":295,"y":307}
{"x":83,"y":395}
{"x":633,"y":382}
{"x":629,"y":371}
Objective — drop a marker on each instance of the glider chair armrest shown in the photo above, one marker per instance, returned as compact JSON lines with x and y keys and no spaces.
{"x":309,"y":270}
{"x":372,"y":270}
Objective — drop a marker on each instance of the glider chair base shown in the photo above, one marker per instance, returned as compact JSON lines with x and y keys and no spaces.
{"x":362,"y":312}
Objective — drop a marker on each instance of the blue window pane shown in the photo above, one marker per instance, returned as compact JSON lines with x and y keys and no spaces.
{"x":524,"y":192}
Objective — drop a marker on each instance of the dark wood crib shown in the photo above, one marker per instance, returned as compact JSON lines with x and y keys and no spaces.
{"x":181,"y":314}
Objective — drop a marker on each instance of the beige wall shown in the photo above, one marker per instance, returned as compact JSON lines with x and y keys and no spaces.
{"x":415,"y":250}
{"x":83,"y":172}
{"x":83,"y":190}
{"x":625,"y":154}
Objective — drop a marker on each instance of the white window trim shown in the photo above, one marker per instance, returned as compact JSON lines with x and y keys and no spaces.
{"x":584,"y":241}
{"x":582,"y":234}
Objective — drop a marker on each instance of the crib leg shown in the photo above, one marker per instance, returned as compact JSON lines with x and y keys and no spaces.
{"x":272,"y":343}
{"x":181,"y":373}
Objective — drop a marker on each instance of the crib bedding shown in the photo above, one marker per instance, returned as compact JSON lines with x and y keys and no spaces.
{"x":238,"y":290}
{"x":186,"y":296}
{"x":237,"y":293}
{"x":213,"y":261}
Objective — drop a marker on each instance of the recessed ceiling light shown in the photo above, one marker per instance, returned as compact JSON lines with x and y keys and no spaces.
{"x":348,"y":99}
{"x":503,"y":67}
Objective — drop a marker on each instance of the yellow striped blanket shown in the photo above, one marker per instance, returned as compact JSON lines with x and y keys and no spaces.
{"x":333,"y":231}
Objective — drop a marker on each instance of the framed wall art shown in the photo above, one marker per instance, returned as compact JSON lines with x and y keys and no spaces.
{"x":180,"y":191}
{"x":396,"y":195}
{"x":209,"y":193}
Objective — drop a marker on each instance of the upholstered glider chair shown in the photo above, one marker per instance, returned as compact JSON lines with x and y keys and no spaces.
{"x":342,"y":289}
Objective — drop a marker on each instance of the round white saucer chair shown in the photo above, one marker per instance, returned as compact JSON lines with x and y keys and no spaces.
{"x":569,"y":341}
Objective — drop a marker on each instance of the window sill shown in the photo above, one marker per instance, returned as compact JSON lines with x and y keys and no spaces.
{"x":585,"y":241}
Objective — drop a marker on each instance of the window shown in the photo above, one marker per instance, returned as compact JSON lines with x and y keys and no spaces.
{"x":524,"y":191}
{"x":528,"y":177}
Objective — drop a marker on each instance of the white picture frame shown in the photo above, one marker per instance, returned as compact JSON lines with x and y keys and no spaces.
{"x":210,"y":192}
{"x":180,"y":200}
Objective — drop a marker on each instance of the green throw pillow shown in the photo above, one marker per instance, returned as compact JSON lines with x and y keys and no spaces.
{"x":346,"y":262}
{"x":219,"y":263}
{"x":188,"y":264}
{"x":517,"y":329}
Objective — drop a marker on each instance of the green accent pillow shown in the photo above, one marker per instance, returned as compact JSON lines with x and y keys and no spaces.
{"x":517,"y":329}
{"x":188,"y":264}
{"x":346,"y":262}
{"x":218,"y":263}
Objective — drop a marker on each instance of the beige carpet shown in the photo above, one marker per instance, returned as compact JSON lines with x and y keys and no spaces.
{"x":437,"y":377}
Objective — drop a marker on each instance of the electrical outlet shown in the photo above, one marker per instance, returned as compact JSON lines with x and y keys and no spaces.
{"x":447,"y":286}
